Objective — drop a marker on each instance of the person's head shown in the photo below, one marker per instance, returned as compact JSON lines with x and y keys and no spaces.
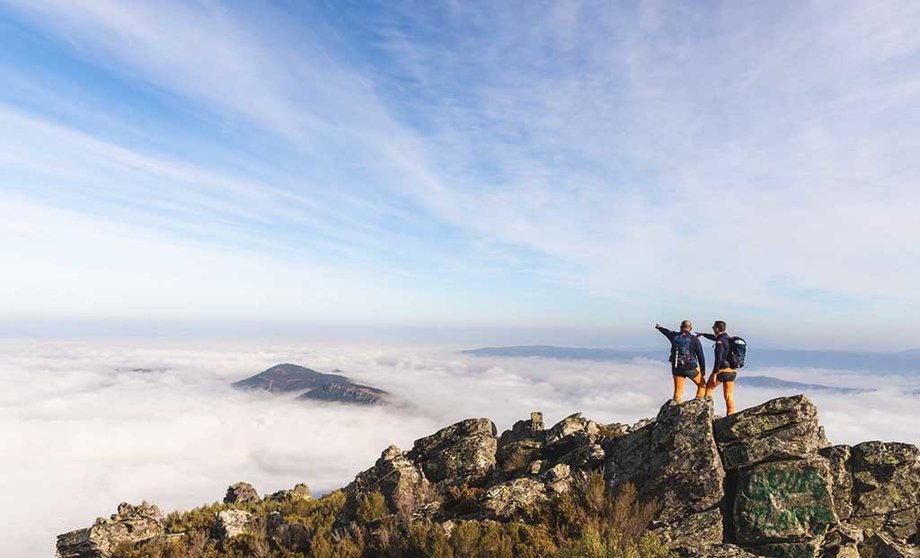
{"x":686,"y":325}
{"x":718,"y":326}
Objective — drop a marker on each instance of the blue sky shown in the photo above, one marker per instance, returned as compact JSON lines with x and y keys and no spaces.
{"x":567,"y":171}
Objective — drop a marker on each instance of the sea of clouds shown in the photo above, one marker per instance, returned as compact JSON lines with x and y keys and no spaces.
{"x":82,"y":430}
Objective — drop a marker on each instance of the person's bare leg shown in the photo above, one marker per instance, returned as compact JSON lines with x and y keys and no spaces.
{"x":678,"y":387}
{"x":728,"y":388}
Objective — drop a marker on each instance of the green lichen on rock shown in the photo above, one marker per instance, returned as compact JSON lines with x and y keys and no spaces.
{"x":783,"y":501}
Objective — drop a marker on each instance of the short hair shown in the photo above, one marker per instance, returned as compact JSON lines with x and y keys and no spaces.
{"x":686,"y":324}
{"x":719,"y":326}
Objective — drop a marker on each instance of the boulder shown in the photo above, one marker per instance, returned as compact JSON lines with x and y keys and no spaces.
{"x":509,"y":499}
{"x":570,"y":433}
{"x":784,"y":428}
{"x":886,"y":488}
{"x":783,"y":502}
{"x":231,"y":523}
{"x":463,"y":453}
{"x":241,"y":493}
{"x":401,"y":481}
{"x":673,"y":463}
{"x":130,"y":525}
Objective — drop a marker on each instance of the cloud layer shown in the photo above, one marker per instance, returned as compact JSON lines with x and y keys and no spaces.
{"x":84,"y":432}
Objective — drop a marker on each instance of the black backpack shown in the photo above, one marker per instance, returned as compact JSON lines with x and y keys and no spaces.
{"x":683,"y":353}
{"x":737,"y":351}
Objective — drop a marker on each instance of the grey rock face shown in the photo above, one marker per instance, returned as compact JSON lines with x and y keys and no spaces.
{"x":399,"y":479}
{"x":571,"y":432}
{"x":241,"y":493}
{"x":784,"y":428}
{"x":463,"y":453}
{"x":674,"y":462}
{"x":506,"y":500}
{"x":838,"y":461}
{"x":131,"y":524}
{"x":886,"y":488}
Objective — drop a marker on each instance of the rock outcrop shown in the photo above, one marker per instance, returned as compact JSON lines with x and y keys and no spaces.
{"x":762,"y":482}
{"x":674,"y":463}
{"x":241,"y":493}
{"x":130,"y":525}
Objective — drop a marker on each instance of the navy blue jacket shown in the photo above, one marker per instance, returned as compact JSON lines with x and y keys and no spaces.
{"x":723,"y":347}
{"x":695,"y":347}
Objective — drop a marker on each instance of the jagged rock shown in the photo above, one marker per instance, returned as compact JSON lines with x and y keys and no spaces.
{"x":842,"y":542}
{"x":784,"y":501}
{"x":838,"y":458}
{"x":131,"y":525}
{"x":300,"y":492}
{"x":463,"y":453}
{"x":400,"y":480}
{"x":528,"y":429}
{"x":241,"y":493}
{"x":614,"y":429}
{"x":510,"y":498}
{"x":232,"y":523}
{"x":557,"y":478}
{"x":673,"y":462}
{"x":784,"y":428}
{"x":886,"y":488}
{"x":715,"y":551}
{"x":589,"y":456}
{"x":520,"y":445}
{"x":878,"y":545}
{"x":570,"y":433}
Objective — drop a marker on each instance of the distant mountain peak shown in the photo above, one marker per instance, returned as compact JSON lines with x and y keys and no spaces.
{"x":288,"y":377}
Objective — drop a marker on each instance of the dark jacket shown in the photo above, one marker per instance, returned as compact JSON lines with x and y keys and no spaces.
{"x":723,"y":347}
{"x":696,"y":348}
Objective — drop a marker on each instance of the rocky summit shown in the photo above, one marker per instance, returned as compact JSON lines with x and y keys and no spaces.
{"x":762,"y":482}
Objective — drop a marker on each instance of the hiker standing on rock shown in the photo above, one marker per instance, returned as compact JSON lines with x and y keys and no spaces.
{"x":687,"y":360}
{"x":723,"y":369}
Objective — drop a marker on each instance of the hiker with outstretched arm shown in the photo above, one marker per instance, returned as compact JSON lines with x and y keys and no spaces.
{"x":687,"y":360}
{"x":723,"y":369}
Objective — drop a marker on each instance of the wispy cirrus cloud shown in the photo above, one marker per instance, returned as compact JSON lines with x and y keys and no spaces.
{"x":600,"y":150}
